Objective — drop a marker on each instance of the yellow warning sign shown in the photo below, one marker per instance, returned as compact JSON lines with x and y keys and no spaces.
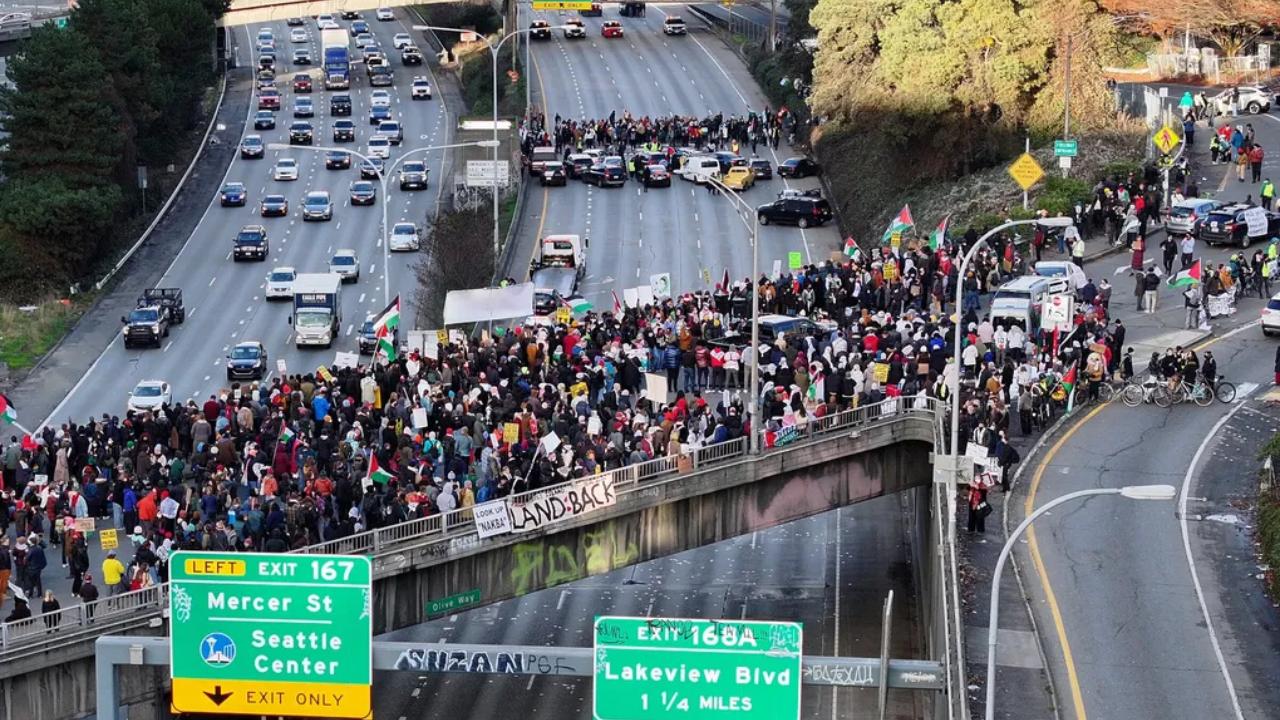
{"x":1166,"y":139}
{"x":1026,"y":171}
{"x":268,"y":697}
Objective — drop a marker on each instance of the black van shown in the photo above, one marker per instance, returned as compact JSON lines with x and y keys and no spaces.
{"x":802,"y":211}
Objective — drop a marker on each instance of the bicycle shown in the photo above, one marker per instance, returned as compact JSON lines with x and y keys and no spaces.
{"x":1136,"y":393}
{"x":1199,"y":393}
{"x":1223,"y":390}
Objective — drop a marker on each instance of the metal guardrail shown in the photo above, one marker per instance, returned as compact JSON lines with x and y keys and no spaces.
{"x":142,"y":608}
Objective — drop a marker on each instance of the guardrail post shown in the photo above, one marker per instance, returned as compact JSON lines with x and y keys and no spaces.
{"x":377,"y":540}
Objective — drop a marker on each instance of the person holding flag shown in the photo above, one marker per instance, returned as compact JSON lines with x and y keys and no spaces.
{"x":384,"y":329}
{"x":902,"y":222}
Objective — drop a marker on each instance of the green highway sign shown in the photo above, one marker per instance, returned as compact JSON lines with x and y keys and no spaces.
{"x":271,"y":635}
{"x":453,"y":602}
{"x":1065,"y":148}
{"x":664,"y":668}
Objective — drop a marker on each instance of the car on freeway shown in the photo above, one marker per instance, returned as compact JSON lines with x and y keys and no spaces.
{"x":301,"y":133}
{"x":363,"y":192}
{"x":265,"y":34}
{"x":360,"y":27}
{"x":267,"y":60}
{"x":233,"y":194}
{"x":367,"y":338}
{"x":280,"y":283}
{"x":739,"y":178}
{"x":1230,"y":225}
{"x":728,"y":160}
{"x":251,"y":243}
{"x":303,"y":108}
{"x":401,"y":41}
{"x":297,"y":35}
{"x":574,"y":29}
{"x":1253,"y":99}
{"x":273,"y":206}
{"x":251,"y":147}
{"x":350,"y":15}
{"x":674,"y":25}
{"x":611,"y":29}
{"x":324,"y":19}
{"x":384,"y":14}
{"x":266,"y":80}
{"x":405,"y":237}
{"x":421,"y":88}
{"x":269,"y":99}
{"x":555,"y":172}
{"x":317,"y":206}
{"x":372,"y":55}
{"x":391,"y":130}
{"x":378,"y":114}
{"x":264,"y":120}
{"x":346,"y":265}
{"x":605,"y":175}
{"x":578,"y":164}
{"x":379,"y":147}
{"x":1184,"y":216}
{"x":247,"y":361}
{"x":371,"y":168}
{"x":302,"y":56}
{"x":540,"y":30}
{"x":294,"y":22}
{"x":340,"y":104}
{"x":285,"y":169}
{"x":1271,"y":315}
{"x":364,"y":40}
{"x":337,"y":160}
{"x":344,"y":131}
{"x":413,"y":175}
{"x":797,"y":167}
{"x":149,"y":395}
{"x":656,"y":176}
{"x":795,"y":210}
{"x":380,"y":98}
{"x":302,"y":83}
{"x":328,"y":24}
{"x":411,"y":55}
{"x":595,"y":10}
{"x":763,"y":168}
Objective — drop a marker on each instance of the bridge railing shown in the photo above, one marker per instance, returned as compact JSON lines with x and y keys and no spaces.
{"x":140,"y":608}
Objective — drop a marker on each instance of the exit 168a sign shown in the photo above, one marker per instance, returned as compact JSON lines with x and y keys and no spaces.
{"x":270,"y":635}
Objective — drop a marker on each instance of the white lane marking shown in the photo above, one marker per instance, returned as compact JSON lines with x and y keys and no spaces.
{"x":167,"y":346}
{"x":215,"y":277}
{"x":361,"y":298}
{"x":560,"y":602}
{"x":350,"y":328}
{"x":1191,"y":562}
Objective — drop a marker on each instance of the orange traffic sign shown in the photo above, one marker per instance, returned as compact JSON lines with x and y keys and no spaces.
{"x":1026,"y":171}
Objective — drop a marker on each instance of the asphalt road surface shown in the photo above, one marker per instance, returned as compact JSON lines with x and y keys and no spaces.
{"x":785,"y":573}
{"x":224,"y":299}
{"x":683,"y":230}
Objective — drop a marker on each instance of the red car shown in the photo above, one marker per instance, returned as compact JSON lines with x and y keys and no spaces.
{"x":611,"y":29}
{"x":302,"y":84}
{"x":269,"y":100}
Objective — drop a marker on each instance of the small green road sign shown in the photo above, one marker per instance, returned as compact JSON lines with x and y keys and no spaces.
{"x":60,"y":22}
{"x":453,"y":602}
{"x":271,"y":635}
{"x":1065,"y":148}
{"x":664,"y":669}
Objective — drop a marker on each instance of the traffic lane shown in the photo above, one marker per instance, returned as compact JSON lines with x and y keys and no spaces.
{"x":784,"y":573}
{"x":1122,"y":582}
{"x":688,"y":68}
{"x":1221,"y":534}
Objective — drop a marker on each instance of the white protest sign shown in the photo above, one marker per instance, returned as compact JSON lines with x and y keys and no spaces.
{"x":593,"y":425}
{"x":1256,"y":217}
{"x":777,"y":268}
{"x":545,"y":507}
{"x":419,"y":418}
{"x":655,"y":387}
{"x":550,"y":442}
{"x":1058,"y":312}
{"x":412,"y":367}
{"x":630,"y":297}
{"x":345,"y":360}
{"x":491,"y":519}
{"x":280,"y":366}
{"x":661,"y":284}
{"x":457,"y":337}
{"x":646,"y":294}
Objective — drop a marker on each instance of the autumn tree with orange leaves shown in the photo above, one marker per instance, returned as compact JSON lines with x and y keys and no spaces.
{"x":1231,"y":24}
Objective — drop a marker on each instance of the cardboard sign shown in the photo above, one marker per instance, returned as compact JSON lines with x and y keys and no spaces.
{"x":323,"y":372}
{"x":345,"y":360}
{"x":563,"y":315}
{"x":631,"y":297}
{"x":419,"y":418}
{"x":655,"y":387}
{"x":661,"y":284}
{"x":550,"y":442}
{"x":881,"y":372}
{"x":84,"y":524}
{"x":511,"y":433}
{"x":645,"y":293}
{"x":795,"y":260}
{"x":1058,"y":312}
{"x":1256,"y":217}
{"x":108,"y":539}
{"x":281,"y":367}
{"x":593,"y":425}
{"x":491,"y":518}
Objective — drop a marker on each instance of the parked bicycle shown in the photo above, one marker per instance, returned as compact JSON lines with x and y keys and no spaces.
{"x":1224,"y":391}
{"x":1200,"y":393}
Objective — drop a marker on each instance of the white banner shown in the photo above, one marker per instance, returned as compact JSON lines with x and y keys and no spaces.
{"x":552,"y":505}
{"x":345,"y":360}
{"x":655,"y":387}
{"x":492,"y":519}
{"x":1256,"y":217}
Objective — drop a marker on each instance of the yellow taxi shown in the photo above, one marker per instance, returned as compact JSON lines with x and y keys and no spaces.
{"x":739,"y":178}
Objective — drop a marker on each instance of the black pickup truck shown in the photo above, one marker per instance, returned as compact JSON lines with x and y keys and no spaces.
{"x":149,"y":322}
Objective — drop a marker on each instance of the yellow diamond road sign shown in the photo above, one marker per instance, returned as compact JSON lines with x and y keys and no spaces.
{"x":1026,"y":171}
{"x":1166,"y":139}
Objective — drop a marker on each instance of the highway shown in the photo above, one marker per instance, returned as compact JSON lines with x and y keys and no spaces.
{"x":224,"y":299}
{"x":683,"y":230}
{"x":830,"y":571}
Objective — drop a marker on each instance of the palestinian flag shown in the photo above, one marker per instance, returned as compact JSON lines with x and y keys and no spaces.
{"x":1190,"y":276}
{"x":9,"y":414}
{"x":1069,"y":380}
{"x":388,"y":318}
{"x":386,"y":348}
{"x":617,"y":304}
{"x":900,"y":224}
{"x":286,"y":436}
{"x":939,"y":236}
{"x":377,"y":474}
{"x":851,"y":248}
{"x":578,"y":305}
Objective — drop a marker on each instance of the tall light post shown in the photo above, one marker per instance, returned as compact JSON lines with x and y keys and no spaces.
{"x":747,"y":215}
{"x":494,"y":49}
{"x":383,"y":174}
{"x":1133,"y":492}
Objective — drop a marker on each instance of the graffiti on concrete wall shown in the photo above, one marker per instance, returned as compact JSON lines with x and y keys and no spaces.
{"x":552,"y":561}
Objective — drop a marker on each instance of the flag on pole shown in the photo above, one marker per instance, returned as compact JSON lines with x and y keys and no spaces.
{"x":578,"y":305}
{"x":725,"y":283}
{"x":851,"y":248}
{"x":617,"y":304}
{"x":1069,"y":384}
{"x":377,"y":474}
{"x":9,"y":414}
{"x":386,"y":347}
{"x":939,"y":236}
{"x":901,"y":223}
{"x":286,"y":436}
{"x":389,"y":318}
{"x":1190,"y":276}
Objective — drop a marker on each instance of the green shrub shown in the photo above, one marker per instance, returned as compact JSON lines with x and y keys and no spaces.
{"x":1059,"y":194}
{"x":1269,"y":542}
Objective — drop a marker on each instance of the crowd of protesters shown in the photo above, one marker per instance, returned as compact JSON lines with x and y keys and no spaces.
{"x":620,"y":133}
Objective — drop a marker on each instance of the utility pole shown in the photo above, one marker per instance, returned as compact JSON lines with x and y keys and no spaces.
{"x":1066,"y":103}
{"x":773,"y":25}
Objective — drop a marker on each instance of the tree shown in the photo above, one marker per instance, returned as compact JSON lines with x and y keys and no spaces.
{"x":59,"y":117}
{"x":183,"y":32}
{"x":1231,"y":24}
{"x":458,"y":255}
{"x":59,"y":228}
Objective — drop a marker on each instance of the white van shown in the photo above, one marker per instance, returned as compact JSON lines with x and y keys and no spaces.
{"x":1021,"y":299}
{"x":699,"y":168}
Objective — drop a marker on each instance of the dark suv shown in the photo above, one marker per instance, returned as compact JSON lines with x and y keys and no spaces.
{"x":1230,"y":226}
{"x":340,"y":104}
{"x":605,"y":176}
{"x":344,"y":131}
{"x":251,"y":244}
{"x":369,"y":339}
{"x":802,"y":211}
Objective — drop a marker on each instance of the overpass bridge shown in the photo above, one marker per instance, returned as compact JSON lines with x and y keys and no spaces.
{"x":660,"y":508}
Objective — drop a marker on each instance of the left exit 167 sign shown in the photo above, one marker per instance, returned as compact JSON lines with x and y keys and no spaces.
{"x":270,"y":635}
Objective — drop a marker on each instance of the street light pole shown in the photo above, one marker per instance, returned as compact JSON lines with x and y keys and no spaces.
{"x":1133,"y":492}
